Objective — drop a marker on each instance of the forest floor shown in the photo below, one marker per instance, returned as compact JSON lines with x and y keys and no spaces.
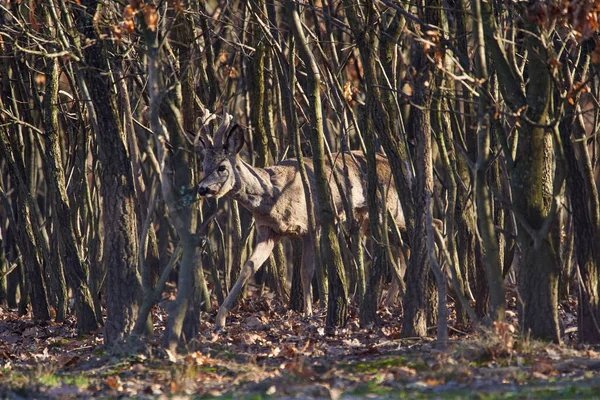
{"x":269,"y":352}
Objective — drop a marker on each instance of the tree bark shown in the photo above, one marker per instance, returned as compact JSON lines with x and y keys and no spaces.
{"x":71,"y":259}
{"x":376,"y":120}
{"x":415,"y":300}
{"x":583,"y":195}
{"x":484,"y":203}
{"x":26,"y":242}
{"x":123,"y":282}
{"x":538,"y":272}
{"x":290,"y":78}
{"x":418,"y":295}
{"x":337,"y":305}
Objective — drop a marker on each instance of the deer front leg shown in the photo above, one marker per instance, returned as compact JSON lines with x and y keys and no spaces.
{"x":266,"y":241}
{"x":308,"y":269}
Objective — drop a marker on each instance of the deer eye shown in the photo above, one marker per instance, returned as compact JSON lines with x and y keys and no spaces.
{"x":221,"y":168}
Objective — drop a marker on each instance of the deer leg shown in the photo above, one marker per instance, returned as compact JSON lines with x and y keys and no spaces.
{"x":308,"y":269}
{"x":266,"y":241}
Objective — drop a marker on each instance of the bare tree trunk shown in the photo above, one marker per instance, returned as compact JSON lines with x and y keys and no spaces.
{"x":484,"y":207}
{"x":4,"y":266}
{"x":123,"y":282}
{"x":392,"y":133}
{"x":337,"y":309}
{"x":321,"y":277}
{"x":463,"y":136}
{"x":538,"y":272}
{"x":75,"y":269}
{"x":376,"y":120}
{"x":27,"y":243}
{"x":416,"y":298}
{"x":414,"y":321}
{"x":186,"y":163}
{"x":257,"y":97}
{"x":583,"y":195}
{"x":184,"y":312}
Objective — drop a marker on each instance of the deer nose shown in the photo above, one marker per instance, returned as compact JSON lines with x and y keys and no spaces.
{"x":202,"y":190}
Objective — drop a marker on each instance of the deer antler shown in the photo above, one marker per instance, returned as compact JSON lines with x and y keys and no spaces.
{"x":220,"y":135}
{"x":203,"y":122}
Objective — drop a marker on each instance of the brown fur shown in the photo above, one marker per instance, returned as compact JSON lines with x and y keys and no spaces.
{"x":275,"y":197}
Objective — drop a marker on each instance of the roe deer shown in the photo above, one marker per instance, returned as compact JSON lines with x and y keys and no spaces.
{"x":275,"y":197}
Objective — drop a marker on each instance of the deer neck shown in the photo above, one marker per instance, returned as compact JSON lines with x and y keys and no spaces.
{"x":253,"y":188}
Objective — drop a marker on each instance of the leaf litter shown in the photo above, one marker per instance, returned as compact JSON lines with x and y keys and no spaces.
{"x":268,"y":351}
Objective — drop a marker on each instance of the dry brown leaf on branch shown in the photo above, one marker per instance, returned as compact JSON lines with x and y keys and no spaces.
{"x":150,"y":17}
{"x":350,"y":93}
{"x":40,"y":80}
{"x":117,"y":32}
{"x":129,"y":12}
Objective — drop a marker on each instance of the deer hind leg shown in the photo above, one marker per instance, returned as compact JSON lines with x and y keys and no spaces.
{"x":266,"y":242}
{"x":398,"y":287}
{"x":308,"y":269}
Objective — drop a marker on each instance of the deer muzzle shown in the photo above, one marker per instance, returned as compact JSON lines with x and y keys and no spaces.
{"x":205,"y":191}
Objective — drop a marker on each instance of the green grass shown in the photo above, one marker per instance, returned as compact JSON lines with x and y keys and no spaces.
{"x":372,"y":388}
{"x":53,"y":380}
{"x":373,"y":367}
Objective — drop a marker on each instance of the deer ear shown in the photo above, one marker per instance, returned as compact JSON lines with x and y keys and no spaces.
{"x":235,"y":140}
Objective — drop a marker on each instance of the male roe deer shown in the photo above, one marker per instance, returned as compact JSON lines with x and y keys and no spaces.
{"x":275,"y":197}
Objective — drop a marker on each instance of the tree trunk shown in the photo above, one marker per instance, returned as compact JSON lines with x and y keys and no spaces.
{"x":391,"y":131}
{"x":75,"y":269}
{"x":376,"y":120}
{"x":27,"y":244}
{"x":538,"y":272}
{"x":414,"y":322}
{"x":583,"y":195}
{"x":123,"y":282}
{"x":463,"y":135}
{"x":337,"y":305}
{"x":292,"y":117}
{"x":185,"y":163}
{"x":493,"y":268}
{"x":176,"y":178}
{"x":3,"y":269}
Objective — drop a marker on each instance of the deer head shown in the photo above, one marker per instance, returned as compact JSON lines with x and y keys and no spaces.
{"x":220,"y":159}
